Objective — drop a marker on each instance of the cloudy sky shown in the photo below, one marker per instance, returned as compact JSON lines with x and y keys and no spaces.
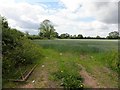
{"x":89,"y":18}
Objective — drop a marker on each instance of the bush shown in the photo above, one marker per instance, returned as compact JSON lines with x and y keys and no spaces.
{"x":17,"y":50}
{"x":10,"y":39}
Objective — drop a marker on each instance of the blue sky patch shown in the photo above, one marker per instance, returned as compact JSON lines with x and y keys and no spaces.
{"x":87,"y":19}
{"x":50,"y":4}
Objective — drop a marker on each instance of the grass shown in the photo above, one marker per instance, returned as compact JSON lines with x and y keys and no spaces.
{"x":98,"y":57}
{"x":64,"y":60}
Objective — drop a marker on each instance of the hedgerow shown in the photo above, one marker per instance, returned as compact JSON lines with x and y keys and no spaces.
{"x":17,"y":51}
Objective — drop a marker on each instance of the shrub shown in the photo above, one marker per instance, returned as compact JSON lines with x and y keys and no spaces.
{"x":17,"y":50}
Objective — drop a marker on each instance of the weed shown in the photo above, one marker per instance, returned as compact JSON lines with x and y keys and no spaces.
{"x":69,"y":80}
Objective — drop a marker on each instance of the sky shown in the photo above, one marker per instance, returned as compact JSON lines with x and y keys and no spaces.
{"x":86,"y":17}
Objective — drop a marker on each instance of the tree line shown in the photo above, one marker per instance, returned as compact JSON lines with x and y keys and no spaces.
{"x":47,"y":31}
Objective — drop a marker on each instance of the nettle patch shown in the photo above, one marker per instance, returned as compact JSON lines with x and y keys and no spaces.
{"x":69,"y":80}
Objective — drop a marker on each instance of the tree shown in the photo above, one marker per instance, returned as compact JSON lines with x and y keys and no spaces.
{"x":80,"y":36}
{"x":65,"y":36}
{"x":4,"y":23}
{"x":47,"y":29}
{"x":74,"y":37}
{"x":98,"y":37}
{"x":113,"y":35}
{"x":56,"y":35}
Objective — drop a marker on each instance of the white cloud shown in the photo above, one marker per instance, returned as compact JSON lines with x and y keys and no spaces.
{"x":71,"y":5}
{"x":104,"y":11}
{"x":27,"y":17}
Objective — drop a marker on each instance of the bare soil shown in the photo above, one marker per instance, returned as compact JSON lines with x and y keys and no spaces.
{"x":39,"y":79}
{"x":89,"y":81}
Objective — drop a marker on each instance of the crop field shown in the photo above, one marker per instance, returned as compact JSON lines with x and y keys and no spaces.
{"x":74,"y":63}
{"x":95,"y":61}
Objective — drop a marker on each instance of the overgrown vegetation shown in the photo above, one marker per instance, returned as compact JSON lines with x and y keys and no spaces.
{"x":18,"y":52}
{"x":69,"y":80}
{"x":68,"y":74}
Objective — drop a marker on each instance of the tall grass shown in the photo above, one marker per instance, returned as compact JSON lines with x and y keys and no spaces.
{"x":98,"y":57}
{"x":103,"y":51}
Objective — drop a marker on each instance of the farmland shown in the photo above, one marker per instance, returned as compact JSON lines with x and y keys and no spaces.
{"x":74,"y":63}
{"x":95,"y":60}
{"x":59,"y":44}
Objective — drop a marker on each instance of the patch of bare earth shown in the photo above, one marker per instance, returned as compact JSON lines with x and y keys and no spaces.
{"x":40,"y":78}
{"x":101,"y":77}
{"x":29,"y":85}
{"x":84,"y":56}
{"x":89,"y":81}
{"x":43,"y":81}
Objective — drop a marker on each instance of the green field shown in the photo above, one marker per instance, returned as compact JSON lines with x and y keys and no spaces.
{"x":96,"y":59}
{"x":74,"y":63}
